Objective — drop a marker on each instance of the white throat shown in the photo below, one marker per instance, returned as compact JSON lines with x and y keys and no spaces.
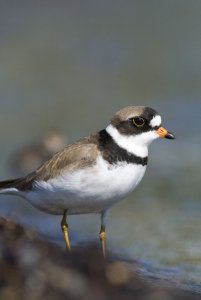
{"x":137,"y":145}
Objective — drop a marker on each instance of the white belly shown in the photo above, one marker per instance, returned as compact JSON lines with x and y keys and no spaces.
{"x":89,"y":190}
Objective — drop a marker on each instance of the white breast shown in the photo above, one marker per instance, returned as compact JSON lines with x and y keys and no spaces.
{"x":89,"y":190}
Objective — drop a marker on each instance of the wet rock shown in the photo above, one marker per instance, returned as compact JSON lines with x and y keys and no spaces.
{"x":33,"y":268}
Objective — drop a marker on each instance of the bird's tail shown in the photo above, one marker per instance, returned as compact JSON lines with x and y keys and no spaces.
{"x":10,"y":186}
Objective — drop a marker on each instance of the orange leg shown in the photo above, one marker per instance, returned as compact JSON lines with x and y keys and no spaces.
{"x":102,"y":236}
{"x":64,"y":228}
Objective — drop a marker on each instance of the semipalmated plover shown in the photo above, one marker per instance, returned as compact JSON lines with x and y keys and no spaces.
{"x":94,"y":173}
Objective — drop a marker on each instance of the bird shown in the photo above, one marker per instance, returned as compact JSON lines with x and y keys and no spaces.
{"x":94,"y":173}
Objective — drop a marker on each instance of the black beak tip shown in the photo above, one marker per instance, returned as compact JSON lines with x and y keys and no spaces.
{"x":170,"y":136}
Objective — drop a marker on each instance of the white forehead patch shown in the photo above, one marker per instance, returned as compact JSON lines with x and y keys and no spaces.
{"x":156,"y":121}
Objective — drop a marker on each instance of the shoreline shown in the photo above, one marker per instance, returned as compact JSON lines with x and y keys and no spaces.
{"x":33,"y":268}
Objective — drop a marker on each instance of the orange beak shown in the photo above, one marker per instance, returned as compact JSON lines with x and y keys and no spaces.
{"x":163,"y":133}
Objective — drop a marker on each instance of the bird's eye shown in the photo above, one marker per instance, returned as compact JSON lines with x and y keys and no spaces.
{"x":138,"y":121}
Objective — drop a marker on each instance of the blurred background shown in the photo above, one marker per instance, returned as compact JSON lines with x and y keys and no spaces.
{"x":69,"y":66}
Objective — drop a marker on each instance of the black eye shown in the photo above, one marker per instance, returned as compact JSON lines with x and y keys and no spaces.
{"x":138,"y":121}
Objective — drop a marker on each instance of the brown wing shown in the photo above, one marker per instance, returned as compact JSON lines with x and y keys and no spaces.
{"x":78,"y":155}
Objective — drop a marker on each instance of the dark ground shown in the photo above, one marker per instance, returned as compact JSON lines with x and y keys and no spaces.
{"x":33,"y":268}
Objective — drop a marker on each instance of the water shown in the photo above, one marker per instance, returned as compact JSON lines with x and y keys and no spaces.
{"x":71,"y":66}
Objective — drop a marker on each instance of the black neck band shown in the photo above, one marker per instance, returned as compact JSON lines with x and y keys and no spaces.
{"x":114,"y":153}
